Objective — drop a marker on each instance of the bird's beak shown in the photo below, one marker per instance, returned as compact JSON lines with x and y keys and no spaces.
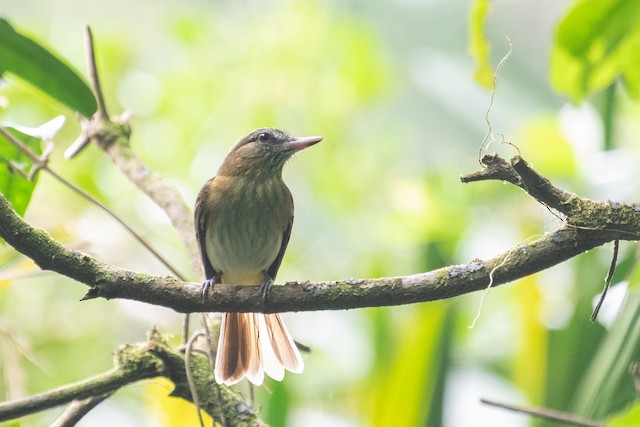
{"x":300,"y":143}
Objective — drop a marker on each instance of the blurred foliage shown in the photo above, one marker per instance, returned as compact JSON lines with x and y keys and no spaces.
{"x":596,"y":42}
{"x":630,"y":418}
{"x":541,"y":136}
{"x":168,"y":410}
{"x":607,"y":385}
{"x":479,"y":44}
{"x":408,"y":388}
{"x":388,"y":87}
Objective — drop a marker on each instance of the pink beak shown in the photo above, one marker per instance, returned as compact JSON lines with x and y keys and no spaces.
{"x":298,"y":144}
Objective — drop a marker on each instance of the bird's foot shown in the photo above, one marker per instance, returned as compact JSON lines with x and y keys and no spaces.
{"x":265,"y":289}
{"x":206,"y":285}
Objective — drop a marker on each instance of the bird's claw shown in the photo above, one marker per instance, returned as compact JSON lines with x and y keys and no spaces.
{"x":206,"y":285}
{"x":265,"y":289}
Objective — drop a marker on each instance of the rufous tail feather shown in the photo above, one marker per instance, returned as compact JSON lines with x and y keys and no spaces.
{"x":252,"y":344}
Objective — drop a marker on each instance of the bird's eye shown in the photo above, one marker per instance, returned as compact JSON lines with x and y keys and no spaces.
{"x":263,"y":137}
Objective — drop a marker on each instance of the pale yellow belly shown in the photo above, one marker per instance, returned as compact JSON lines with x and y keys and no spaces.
{"x":242,"y":248}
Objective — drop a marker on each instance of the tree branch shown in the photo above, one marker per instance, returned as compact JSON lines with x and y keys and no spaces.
{"x":113,"y":138}
{"x":78,"y":409}
{"x":137,"y":362}
{"x":589,"y":224}
{"x":112,"y":135}
{"x":41,"y":163}
{"x":519,"y":173}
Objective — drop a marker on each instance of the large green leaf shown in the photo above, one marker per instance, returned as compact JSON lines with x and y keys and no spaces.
{"x":595,"y":43}
{"x":28,"y":60}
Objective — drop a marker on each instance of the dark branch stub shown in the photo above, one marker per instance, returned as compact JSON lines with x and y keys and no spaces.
{"x":495,"y":168}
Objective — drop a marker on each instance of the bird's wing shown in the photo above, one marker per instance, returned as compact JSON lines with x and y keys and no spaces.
{"x":201,"y":226}
{"x":273,"y":269}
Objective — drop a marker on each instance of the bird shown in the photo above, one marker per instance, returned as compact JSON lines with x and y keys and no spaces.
{"x":243,"y":220}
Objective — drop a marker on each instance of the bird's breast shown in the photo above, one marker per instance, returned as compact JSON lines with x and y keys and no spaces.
{"x":246,"y":222}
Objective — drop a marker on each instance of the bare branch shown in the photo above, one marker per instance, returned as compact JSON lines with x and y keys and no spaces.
{"x":495,"y":168}
{"x":542,"y":190}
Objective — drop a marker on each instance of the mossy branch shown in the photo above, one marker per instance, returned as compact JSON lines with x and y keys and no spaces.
{"x":135,"y":362}
{"x":589,"y":224}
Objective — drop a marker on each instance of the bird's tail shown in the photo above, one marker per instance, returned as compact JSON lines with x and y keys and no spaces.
{"x":252,"y":344}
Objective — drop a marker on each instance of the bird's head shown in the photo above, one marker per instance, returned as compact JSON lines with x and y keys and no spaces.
{"x":264,"y":151}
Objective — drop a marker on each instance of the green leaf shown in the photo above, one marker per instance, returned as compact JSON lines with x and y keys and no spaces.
{"x":572,"y":348}
{"x":13,"y":184}
{"x":607,"y":385}
{"x":28,"y":60}
{"x":631,"y":70}
{"x":478,"y":43}
{"x":594,"y":44}
{"x":630,"y":417}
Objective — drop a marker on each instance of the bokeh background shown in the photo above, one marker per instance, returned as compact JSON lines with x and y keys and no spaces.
{"x":390,"y":85}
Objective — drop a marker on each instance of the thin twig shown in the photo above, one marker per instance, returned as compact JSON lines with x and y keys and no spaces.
{"x":33,"y":157}
{"x":101,"y":114}
{"x":207,"y":332}
{"x":78,"y":409}
{"x":187,"y":367}
{"x":42,"y":165}
{"x":185,"y":328}
{"x":43,"y":161}
{"x":93,"y":74}
{"x":211,"y":354}
{"x":113,"y":137}
{"x":126,"y":226}
{"x":546,"y":413}
{"x":607,"y":280}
